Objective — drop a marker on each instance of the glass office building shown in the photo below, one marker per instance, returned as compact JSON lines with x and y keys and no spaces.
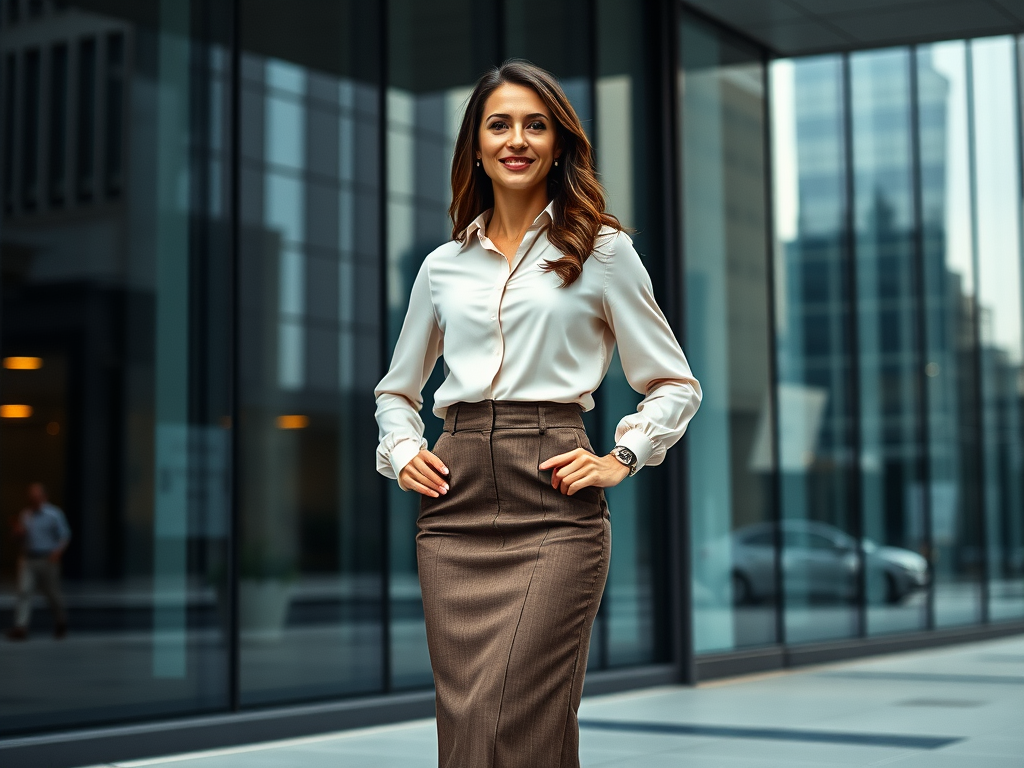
{"x":210,"y":218}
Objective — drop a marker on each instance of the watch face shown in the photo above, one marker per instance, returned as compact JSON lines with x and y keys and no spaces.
{"x":626,"y":456}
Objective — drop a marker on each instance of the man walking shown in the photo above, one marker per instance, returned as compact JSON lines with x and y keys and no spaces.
{"x":44,"y":534}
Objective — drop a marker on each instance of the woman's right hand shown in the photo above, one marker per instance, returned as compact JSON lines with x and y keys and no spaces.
{"x":424,"y":474}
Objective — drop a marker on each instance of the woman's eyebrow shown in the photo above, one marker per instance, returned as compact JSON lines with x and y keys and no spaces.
{"x":509,"y":117}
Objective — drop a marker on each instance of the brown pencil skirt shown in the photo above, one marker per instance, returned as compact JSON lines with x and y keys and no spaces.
{"x":512,"y":572}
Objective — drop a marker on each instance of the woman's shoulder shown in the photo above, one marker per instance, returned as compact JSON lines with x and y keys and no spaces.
{"x":441,"y":254}
{"x":444,"y":251}
{"x":612,"y":242}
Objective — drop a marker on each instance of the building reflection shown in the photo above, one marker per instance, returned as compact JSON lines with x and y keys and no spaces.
{"x":102,"y":326}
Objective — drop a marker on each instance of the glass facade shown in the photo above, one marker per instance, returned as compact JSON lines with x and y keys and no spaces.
{"x":310,"y":588}
{"x":888,"y":365}
{"x":724,"y":216}
{"x":115,"y":396}
{"x":897,"y":211}
{"x":211,"y":213}
{"x":949,"y":325}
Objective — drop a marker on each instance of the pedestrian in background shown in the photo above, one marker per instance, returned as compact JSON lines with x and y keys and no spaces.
{"x":526,"y":303}
{"x":43,"y":534}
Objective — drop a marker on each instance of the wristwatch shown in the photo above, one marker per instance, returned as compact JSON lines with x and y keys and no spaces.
{"x":626,"y":456}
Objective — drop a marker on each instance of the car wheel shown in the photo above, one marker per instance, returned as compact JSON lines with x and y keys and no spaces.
{"x":742,"y":594}
{"x":893,"y":594}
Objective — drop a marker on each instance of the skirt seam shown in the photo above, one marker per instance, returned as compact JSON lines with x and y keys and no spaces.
{"x":579,"y":639}
{"x":511,"y":647}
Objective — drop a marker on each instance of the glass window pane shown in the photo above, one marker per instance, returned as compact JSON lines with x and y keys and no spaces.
{"x":10,"y":108}
{"x":114,"y":378}
{"x":813,"y":347}
{"x":998,"y":184}
{"x":58,"y":125}
{"x":892,"y":507}
{"x":436,"y":53}
{"x":85,"y":165}
{"x":721,"y":85}
{"x":949,"y":332}
{"x":633,"y":622}
{"x":30,"y":119}
{"x":536,"y":30}
{"x":311,"y":581}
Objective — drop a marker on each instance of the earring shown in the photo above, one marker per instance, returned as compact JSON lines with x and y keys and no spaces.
{"x":478,"y":163}
{"x":556,"y":163}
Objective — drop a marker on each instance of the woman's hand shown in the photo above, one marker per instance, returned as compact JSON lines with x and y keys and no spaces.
{"x":579,"y":468}
{"x":424,"y":475}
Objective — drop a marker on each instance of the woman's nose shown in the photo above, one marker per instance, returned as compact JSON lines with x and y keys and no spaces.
{"x":516,"y":138}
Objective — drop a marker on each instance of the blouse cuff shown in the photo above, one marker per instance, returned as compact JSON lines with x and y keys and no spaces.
{"x":391,"y":459}
{"x":639,"y":443}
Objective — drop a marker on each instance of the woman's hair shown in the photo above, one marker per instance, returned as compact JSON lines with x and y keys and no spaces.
{"x":573,"y":185}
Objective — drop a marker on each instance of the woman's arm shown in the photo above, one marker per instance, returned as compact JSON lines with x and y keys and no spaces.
{"x":399,"y":393}
{"x":651,"y":358}
{"x":654,"y":365}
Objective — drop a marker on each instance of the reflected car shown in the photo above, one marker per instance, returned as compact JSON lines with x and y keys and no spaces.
{"x":820,"y":562}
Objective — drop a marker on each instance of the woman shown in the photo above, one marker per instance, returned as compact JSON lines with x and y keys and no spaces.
{"x":526,"y":303}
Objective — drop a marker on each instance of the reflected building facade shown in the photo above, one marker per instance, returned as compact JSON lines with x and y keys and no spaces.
{"x":212,"y":213}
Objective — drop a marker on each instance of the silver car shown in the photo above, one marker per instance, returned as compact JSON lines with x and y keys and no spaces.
{"x":820,"y":561}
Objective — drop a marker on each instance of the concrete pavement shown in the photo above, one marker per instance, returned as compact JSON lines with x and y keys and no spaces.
{"x":957,"y":707}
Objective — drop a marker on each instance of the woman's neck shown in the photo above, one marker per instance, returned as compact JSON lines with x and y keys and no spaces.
{"x":514,"y":212}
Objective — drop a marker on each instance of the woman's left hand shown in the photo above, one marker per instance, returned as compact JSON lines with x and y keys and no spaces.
{"x":579,"y":468}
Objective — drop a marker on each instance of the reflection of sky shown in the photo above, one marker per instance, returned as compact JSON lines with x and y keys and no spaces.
{"x":947,"y":60}
{"x":784,"y":150}
{"x":997,"y":169}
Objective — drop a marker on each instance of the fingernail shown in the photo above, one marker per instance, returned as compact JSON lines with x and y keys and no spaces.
{"x":445,"y":470}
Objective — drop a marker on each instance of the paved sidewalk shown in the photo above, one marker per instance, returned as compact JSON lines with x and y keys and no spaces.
{"x":960,"y":707}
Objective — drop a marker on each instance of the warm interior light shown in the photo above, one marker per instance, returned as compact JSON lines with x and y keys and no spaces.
{"x":23,"y":363}
{"x":293,"y":421}
{"x":12,"y":411}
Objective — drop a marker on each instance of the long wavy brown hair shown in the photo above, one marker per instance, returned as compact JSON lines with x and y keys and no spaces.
{"x":573,"y":185}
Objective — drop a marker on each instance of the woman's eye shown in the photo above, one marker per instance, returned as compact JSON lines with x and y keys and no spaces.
{"x":538,"y":124}
{"x":497,"y":124}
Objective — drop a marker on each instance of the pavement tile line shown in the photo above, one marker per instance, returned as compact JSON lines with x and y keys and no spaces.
{"x":941,"y":703}
{"x":928,"y":677}
{"x":279,"y":744}
{"x":776,"y":734}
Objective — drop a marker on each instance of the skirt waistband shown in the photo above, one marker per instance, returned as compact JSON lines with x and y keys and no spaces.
{"x":511,"y":414}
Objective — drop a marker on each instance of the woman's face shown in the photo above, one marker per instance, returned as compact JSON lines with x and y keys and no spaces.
{"x":518,"y":141}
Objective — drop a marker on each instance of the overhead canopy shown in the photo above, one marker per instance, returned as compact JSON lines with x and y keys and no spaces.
{"x":796,"y":27}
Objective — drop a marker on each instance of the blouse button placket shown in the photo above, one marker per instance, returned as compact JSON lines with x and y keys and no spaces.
{"x":499,"y":295}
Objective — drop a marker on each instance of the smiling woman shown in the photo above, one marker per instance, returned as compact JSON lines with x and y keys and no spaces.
{"x":528,"y":115}
{"x":527,"y":303}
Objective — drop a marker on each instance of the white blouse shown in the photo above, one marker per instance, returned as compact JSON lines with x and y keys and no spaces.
{"x":509,"y":332}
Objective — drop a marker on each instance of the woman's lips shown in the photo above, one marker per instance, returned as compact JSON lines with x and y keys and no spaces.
{"x":516,"y":163}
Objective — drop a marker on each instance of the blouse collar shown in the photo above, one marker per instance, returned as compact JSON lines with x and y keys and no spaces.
{"x":479,"y":224}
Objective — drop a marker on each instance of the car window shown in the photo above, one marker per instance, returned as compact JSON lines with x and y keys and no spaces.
{"x":819,"y":541}
{"x":796,"y":538}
